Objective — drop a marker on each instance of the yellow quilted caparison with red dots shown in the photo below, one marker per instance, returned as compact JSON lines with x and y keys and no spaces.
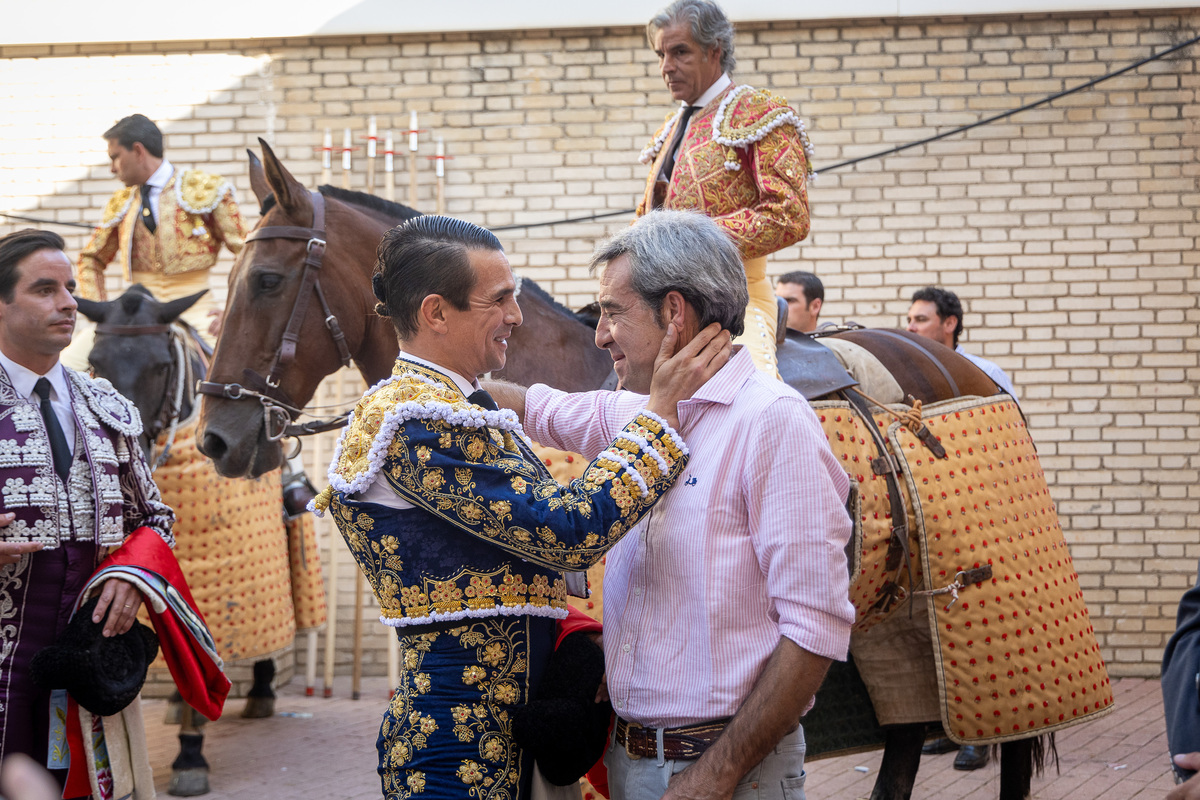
{"x":1016,"y":653}
{"x":233,"y":547}
{"x":870,"y":579}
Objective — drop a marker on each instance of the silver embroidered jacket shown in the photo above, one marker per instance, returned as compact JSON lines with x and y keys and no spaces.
{"x":109,"y":492}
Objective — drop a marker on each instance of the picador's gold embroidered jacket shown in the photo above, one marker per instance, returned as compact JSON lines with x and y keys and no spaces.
{"x":196,"y":214}
{"x":491,"y":531}
{"x":743,"y":163}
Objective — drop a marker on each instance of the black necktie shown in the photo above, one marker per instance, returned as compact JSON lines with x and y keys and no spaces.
{"x":147,"y":214}
{"x":680,"y":129}
{"x":58,"y":442}
{"x":483,"y":399}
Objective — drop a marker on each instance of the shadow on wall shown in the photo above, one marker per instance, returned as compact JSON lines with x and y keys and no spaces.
{"x":56,"y":108}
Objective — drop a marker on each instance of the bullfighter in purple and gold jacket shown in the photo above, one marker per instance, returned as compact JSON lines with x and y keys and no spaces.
{"x":73,"y":485}
{"x":734,"y":153}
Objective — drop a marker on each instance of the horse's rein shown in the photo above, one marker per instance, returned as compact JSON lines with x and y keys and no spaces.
{"x":279,"y":412}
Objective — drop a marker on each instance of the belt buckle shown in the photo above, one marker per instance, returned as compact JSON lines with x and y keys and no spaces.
{"x":629,"y":728}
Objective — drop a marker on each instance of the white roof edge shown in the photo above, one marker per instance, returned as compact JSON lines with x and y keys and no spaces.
{"x":78,"y":22}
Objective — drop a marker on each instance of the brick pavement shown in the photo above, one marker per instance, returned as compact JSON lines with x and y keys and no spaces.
{"x":331,"y":755}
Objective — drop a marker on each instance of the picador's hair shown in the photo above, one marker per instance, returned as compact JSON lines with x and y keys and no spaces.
{"x":15,"y":247}
{"x":810,"y":283}
{"x":426,"y":255}
{"x":948,"y":305}
{"x":137,"y":128}
{"x":709,"y":26}
{"x":685,"y":252}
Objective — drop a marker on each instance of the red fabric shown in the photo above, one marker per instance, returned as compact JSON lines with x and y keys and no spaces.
{"x":575,"y":622}
{"x":200,"y":680}
{"x":579,"y":622}
{"x":598,"y":775}
{"x":79,"y":782}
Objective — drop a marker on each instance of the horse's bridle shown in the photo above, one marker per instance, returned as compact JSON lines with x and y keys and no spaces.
{"x":279,"y":411}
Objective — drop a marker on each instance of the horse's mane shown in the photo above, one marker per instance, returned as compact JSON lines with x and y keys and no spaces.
{"x":531,"y":286}
{"x":369,"y":202}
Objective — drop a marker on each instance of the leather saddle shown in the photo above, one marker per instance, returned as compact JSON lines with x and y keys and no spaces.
{"x":805,"y":364}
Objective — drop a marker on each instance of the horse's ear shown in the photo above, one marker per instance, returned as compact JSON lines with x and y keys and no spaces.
{"x":93,"y":310}
{"x":289,"y":192}
{"x":258,"y":178}
{"x":171,"y":311}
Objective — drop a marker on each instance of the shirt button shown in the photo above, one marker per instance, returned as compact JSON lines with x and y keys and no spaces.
{"x":626,"y":649}
{"x":638,"y":591}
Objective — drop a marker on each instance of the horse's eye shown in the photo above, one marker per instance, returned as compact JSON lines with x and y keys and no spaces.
{"x":268,"y":281}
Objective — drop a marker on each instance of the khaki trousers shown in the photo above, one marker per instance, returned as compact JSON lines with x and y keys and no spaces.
{"x":761,"y":317}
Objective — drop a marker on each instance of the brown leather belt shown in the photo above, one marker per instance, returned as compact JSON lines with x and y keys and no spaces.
{"x":678,"y":743}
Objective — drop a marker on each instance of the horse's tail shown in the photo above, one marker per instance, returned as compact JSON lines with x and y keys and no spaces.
{"x":1044,"y":749}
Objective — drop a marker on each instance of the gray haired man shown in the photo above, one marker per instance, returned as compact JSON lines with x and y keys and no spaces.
{"x":732,"y":152}
{"x":723,"y":607}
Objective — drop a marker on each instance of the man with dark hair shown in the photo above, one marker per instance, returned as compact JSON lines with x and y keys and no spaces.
{"x":75,"y":484}
{"x":165,"y":228}
{"x":736,"y":154}
{"x":458,"y":526}
{"x":724,"y":608}
{"x":937,"y":314}
{"x":408,"y":252}
{"x":805,"y":294}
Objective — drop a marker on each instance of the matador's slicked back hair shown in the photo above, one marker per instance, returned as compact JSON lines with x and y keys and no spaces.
{"x":426,"y":255}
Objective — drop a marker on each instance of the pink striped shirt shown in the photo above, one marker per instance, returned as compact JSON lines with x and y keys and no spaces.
{"x":747,"y":546}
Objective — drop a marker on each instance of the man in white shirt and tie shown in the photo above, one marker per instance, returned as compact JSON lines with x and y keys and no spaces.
{"x":164,"y":228}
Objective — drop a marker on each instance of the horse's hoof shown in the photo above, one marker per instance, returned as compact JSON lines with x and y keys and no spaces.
{"x":190,"y":782}
{"x":259,"y":707}
{"x":174,"y":712}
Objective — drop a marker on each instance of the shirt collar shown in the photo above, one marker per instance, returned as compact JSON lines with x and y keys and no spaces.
{"x":714,"y":90}
{"x":161,"y":175}
{"x":23,"y":378}
{"x":465,"y":386}
{"x":724,"y":386}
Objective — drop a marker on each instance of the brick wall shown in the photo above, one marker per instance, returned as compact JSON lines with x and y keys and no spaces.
{"x":1070,"y":231}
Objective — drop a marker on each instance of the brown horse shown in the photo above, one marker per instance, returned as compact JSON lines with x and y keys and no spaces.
{"x":240,"y":426}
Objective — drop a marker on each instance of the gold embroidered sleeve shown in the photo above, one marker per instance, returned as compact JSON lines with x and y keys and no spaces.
{"x":780,"y":216}
{"x":486,"y":483}
{"x":229,"y":225}
{"x":99,"y":251}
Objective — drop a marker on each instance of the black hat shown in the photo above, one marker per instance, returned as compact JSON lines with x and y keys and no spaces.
{"x":103,"y":674}
{"x":564,"y":727}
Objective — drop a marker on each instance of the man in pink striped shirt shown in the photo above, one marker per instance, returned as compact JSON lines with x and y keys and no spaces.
{"x":726,"y":604}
